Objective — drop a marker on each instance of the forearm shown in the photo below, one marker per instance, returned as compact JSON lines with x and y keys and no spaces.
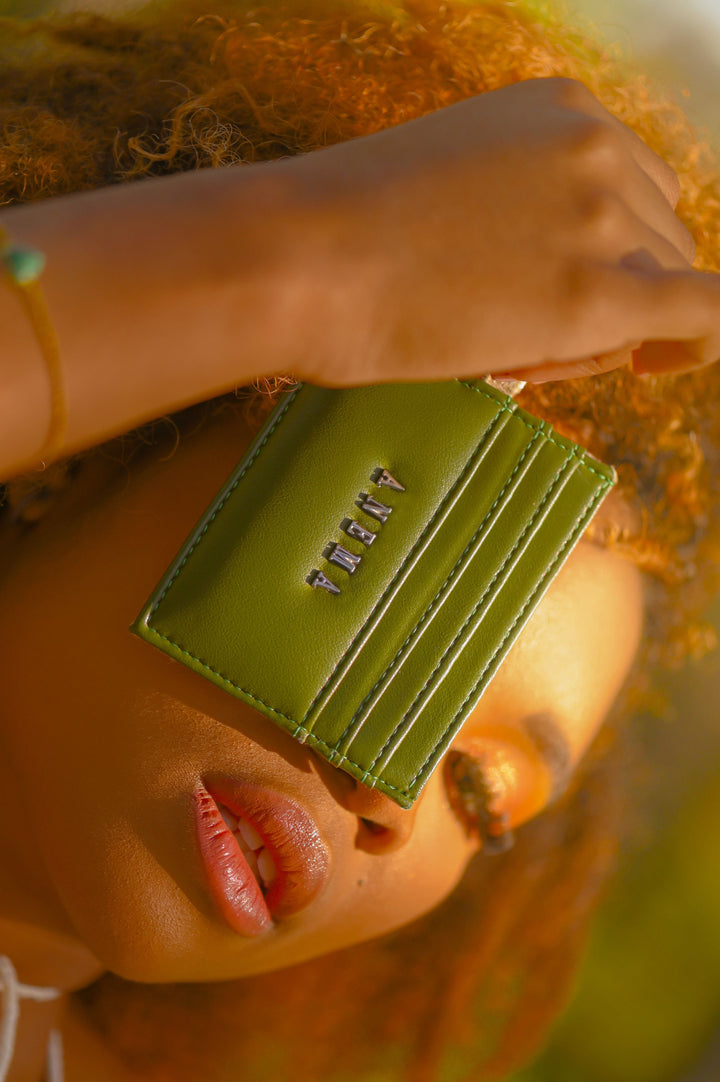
{"x":162,"y":293}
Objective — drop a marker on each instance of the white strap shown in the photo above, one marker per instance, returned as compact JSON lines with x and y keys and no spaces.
{"x":55,"y":1069}
{"x":11,"y":992}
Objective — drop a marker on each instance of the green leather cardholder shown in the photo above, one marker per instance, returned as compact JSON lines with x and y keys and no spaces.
{"x":369,"y":563}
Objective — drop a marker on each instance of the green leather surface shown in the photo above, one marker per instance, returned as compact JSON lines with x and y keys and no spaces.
{"x":380,"y":677}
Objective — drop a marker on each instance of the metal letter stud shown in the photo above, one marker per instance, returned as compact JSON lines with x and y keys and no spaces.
{"x":342,"y":557}
{"x":384,"y":477}
{"x":347,"y":560}
{"x":316,"y":578}
{"x":373,"y":507}
{"x":354,"y":529}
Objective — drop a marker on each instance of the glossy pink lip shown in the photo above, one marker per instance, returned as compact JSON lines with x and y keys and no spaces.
{"x":232,"y":884}
{"x":292,"y":839}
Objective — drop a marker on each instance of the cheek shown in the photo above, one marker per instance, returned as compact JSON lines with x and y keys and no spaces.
{"x":393,"y":889}
{"x":606,"y":631}
{"x":439,"y":850}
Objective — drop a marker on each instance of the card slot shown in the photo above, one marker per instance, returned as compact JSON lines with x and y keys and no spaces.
{"x":493,"y":605}
{"x":453,"y":580}
{"x":435,"y":597}
{"x":355,"y":675}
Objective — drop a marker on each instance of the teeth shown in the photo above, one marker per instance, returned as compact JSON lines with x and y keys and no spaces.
{"x":266,"y":867}
{"x":249,"y":835}
{"x":259,"y":861}
{"x":241,"y":842}
{"x":230,"y":820}
{"x":252,"y":861}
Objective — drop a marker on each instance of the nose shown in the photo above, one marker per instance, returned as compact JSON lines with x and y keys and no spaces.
{"x":383,"y":826}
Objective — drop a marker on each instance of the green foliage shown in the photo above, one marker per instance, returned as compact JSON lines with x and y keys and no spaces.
{"x":649,"y":996}
{"x":26,"y":9}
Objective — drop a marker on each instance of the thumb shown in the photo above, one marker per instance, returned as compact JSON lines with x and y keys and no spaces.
{"x":576,"y":369}
{"x":661,"y":358}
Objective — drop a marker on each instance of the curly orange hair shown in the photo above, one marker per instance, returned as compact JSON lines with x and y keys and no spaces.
{"x":90,"y":101}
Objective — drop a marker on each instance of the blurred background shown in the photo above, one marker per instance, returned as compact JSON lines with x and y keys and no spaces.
{"x":677,"y":42}
{"x":647,"y":1007}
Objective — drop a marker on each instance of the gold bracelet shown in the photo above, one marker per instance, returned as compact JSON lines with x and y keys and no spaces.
{"x":23,"y":267}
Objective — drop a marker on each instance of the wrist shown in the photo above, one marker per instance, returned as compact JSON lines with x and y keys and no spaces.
{"x":165,"y":292}
{"x":331,"y":277}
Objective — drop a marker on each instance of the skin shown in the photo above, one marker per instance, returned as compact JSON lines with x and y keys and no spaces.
{"x":526,"y":224}
{"x":104,"y":739}
{"x":97,"y":767}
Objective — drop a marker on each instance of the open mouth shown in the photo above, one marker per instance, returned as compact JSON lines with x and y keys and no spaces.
{"x":233,"y":883}
{"x":260,"y":862}
{"x":263,"y":854}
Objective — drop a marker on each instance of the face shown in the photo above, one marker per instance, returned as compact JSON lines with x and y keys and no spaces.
{"x":110,"y":739}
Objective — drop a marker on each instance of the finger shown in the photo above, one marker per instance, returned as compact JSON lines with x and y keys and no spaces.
{"x":660,"y":172}
{"x":605,"y":303}
{"x":653,"y":165}
{"x":609,"y":229}
{"x":651,"y":187}
{"x":654,"y":256}
{"x":665,"y":306}
{"x":597,"y":365}
{"x":651,"y":206}
{"x":662,"y":358}
{"x":648,"y":251}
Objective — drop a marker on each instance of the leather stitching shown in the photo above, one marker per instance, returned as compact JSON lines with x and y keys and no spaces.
{"x":583,"y":456}
{"x":443,"y":587}
{"x":224,"y":500}
{"x":309,"y":737}
{"x":502,"y":408}
{"x":448,"y":495}
{"x":508,"y":556}
{"x":578,"y":526}
{"x":305,"y":734}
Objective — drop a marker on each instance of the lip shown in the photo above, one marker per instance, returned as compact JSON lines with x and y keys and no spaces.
{"x":232,"y":884}
{"x":289,"y":834}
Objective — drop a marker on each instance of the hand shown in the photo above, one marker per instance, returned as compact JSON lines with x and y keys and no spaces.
{"x":524,"y":227}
